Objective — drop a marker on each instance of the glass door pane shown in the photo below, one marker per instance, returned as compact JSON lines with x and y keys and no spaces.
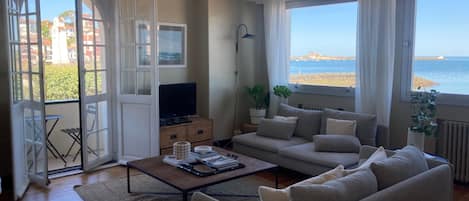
{"x":28,"y":83}
{"x":96,"y":141}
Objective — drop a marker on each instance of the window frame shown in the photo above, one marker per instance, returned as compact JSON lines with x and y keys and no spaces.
{"x":318,"y":89}
{"x":406,"y":12}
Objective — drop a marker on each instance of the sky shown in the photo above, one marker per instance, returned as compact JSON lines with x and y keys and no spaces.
{"x":331,"y":29}
{"x":442,"y":29}
{"x":53,"y":8}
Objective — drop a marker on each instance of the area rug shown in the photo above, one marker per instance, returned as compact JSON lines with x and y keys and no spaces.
{"x":115,"y":190}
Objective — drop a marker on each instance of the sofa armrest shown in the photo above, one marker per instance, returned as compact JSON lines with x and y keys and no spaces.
{"x":198,"y":196}
{"x":433,"y":185}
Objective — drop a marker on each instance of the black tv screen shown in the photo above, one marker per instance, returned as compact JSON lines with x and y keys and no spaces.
{"x":177,"y":100}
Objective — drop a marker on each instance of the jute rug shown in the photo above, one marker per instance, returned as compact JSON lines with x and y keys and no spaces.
{"x":115,"y":190}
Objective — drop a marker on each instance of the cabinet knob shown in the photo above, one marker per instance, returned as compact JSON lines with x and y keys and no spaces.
{"x":173,"y":136}
{"x":199,"y":132}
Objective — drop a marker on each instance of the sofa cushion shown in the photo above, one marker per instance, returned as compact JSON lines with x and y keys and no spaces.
{"x":356,"y":186}
{"x":341,"y":127}
{"x":336,"y":143}
{"x":366,"y":124}
{"x":353,"y":187}
{"x":306,"y":153}
{"x":291,"y":119}
{"x":314,"y":192}
{"x":405,"y":164}
{"x":266,"y":143}
{"x":378,"y":155}
{"x":272,"y":194}
{"x":309,"y":121}
{"x":275,"y":128}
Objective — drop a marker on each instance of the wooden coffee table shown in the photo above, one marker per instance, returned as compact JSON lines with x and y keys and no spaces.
{"x":186,"y":182}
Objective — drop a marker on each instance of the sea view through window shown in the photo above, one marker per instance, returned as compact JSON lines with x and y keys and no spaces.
{"x":323,"y":42}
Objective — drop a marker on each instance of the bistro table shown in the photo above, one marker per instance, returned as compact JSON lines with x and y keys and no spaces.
{"x":50,"y":146}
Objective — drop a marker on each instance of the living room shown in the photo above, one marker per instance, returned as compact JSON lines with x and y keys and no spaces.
{"x":226,"y":47}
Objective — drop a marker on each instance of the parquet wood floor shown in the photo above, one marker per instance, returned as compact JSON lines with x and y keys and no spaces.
{"x":61,"y":189}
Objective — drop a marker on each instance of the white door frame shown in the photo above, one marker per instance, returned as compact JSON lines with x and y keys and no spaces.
{"x":124,"y":99}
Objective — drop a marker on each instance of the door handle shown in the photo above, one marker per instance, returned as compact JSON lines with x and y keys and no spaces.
{"x":200,"y":132}
{"x":173,"y":136}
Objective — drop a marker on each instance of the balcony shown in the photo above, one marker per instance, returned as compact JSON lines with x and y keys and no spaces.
{"x":68,"y":117}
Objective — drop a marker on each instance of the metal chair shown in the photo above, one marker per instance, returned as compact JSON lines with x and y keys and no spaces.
{"x":75,"y":134}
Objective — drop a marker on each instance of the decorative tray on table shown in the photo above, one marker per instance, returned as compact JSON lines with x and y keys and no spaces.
{"x":207,"y":164}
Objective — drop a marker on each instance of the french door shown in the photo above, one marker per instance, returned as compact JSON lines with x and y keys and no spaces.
{"x":26,"y":70}
{"x":94,"y":86}
{"x":137,"y":80}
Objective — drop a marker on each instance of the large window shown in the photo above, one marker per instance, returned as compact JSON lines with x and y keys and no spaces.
{"x":323,"y":44}
{"x":441,"y":59}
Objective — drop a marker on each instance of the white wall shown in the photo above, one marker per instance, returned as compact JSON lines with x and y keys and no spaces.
{"x":174,"y":11}
{"x":224,"y":17}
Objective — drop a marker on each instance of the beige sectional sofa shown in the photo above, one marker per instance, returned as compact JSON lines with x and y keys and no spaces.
{"x":433,"y":184}
{"x":298,"y":153}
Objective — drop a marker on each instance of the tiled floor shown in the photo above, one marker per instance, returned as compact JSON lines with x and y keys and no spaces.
{"x":55,"y":164}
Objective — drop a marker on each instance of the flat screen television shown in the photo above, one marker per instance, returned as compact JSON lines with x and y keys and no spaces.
{"x":177,"y":100}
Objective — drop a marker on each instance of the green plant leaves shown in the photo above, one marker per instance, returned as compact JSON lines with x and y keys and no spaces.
{"x":258,"y":95}
{"x":282,"y":91}
{"x":424,"y":112}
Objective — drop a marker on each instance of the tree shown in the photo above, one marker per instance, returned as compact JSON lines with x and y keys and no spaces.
{"x":45,"y":32}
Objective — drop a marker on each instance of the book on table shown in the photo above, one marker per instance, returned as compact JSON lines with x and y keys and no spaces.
{"x":219,"y":162}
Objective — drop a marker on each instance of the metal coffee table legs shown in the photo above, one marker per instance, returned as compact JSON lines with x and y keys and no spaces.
{"x":185,"y":194}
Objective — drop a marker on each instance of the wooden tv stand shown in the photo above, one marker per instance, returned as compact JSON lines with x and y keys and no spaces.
{"x":198,"y":132}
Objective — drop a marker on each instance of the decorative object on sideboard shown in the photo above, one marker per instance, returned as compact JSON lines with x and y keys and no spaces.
{"x":182,"y":150}
{"x":258,"y":96}
{"x":283,"y":92}
{"x":423,"y":118}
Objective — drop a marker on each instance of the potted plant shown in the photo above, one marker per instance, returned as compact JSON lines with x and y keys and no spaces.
{"x":423,"y":118}
{"x":283,"y":92}
{"x":258,"y":96}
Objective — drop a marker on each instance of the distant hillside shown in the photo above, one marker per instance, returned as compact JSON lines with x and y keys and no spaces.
{"x":314,"y":56}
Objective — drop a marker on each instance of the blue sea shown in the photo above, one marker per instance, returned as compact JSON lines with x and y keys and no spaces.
{"x":451,"y":74}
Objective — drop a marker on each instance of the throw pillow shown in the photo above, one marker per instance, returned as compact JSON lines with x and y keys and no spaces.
{"x":405,"y":164}
{"x":378,"y":155}
{"x":336,"y":143}
{"x":291,"y":119}
{"x":366,"y":124}
{"x":309,"y":121}
{"x":272,"y":194}
{"x":276,"y":129}
{"x":341,"y":127}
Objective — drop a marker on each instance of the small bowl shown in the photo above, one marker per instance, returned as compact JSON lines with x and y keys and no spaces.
{"x":203,"y":149}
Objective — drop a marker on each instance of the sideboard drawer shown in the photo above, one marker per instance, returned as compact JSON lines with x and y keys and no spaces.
{"x":167,"y":151}
{"x":168,"y":136}
{"x":199,"y":132}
